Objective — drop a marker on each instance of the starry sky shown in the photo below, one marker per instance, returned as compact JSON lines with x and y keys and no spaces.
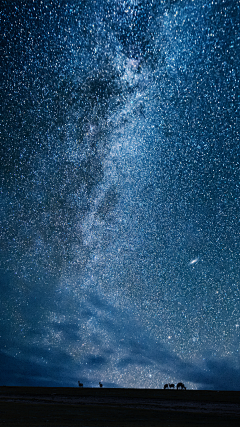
{"x":120,"y":193}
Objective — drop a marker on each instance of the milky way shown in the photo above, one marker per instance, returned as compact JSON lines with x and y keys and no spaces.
{"x":120,"y":193}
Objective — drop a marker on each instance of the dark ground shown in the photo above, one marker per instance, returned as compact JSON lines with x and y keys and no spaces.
{"x":67,"y":407}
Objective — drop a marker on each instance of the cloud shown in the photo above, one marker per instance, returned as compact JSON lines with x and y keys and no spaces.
{"x":26,"y":372}
{"x":96,"y":361}
{"x":217,"y":374}
{"x":112,"y":339}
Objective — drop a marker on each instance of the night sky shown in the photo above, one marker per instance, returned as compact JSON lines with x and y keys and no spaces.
{"x":120,"y":193}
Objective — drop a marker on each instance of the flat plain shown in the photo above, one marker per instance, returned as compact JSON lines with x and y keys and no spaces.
{"x":110,"y":407}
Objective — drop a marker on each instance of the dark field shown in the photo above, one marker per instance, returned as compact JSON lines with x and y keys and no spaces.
{"x":95,"y":407}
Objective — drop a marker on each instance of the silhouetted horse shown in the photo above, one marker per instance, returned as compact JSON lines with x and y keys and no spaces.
{"x":181,"y":385}
{"x":166,"y":386}
{"x":100,"y":384}
{"x":171,"y":386}
{"x":80,"y":384}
